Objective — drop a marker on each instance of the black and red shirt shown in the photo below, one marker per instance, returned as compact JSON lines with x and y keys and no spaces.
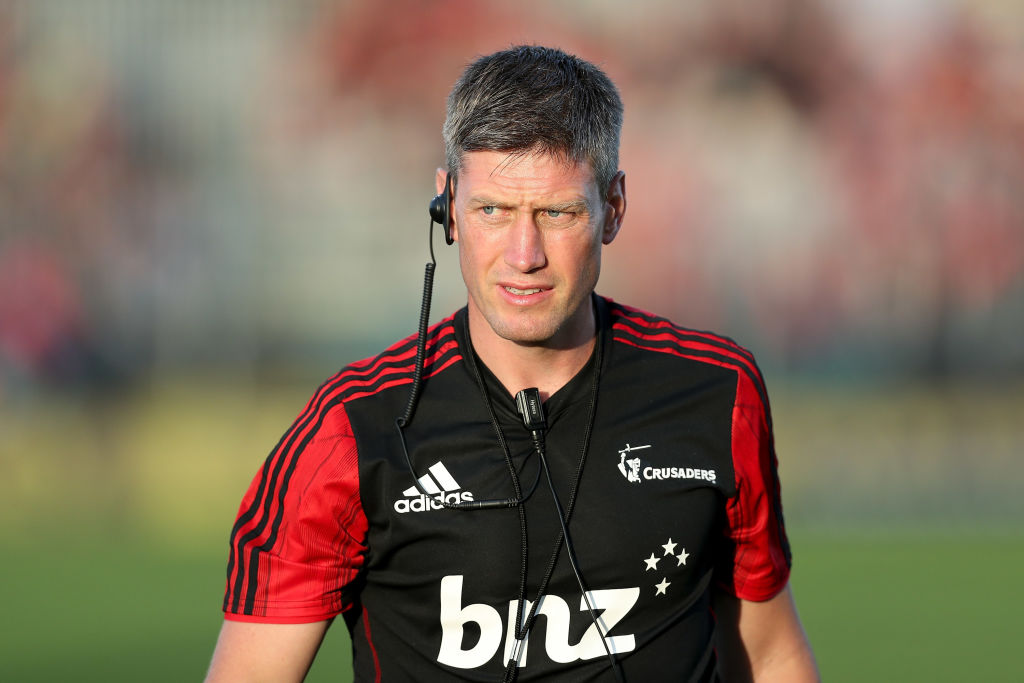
{"x":676,"y":492}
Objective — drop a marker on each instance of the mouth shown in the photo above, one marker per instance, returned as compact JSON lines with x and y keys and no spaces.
{"x":524,"y":296}
{"x":522,"y":292}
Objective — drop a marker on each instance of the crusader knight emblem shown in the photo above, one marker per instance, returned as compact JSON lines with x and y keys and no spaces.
{"x":630,"y":468}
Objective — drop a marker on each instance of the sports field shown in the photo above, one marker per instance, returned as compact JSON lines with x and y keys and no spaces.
{"x":908,"y":562}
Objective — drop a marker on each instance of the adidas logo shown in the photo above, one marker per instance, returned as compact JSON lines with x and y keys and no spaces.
{"x":442,"y":487}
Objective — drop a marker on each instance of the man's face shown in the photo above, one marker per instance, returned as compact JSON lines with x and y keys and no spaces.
{"x":530,"y":231}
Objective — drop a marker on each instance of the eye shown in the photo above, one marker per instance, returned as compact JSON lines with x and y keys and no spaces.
{"x":488,"y":210}
{"x":557,"y":218}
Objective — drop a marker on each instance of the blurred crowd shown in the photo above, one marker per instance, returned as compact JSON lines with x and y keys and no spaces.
{"x":837,"y":184}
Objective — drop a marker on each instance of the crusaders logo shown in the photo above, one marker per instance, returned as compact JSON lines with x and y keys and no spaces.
{"x":630,"y":467}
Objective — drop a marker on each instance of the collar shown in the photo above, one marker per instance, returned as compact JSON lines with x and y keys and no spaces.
{"x":575,"y":390}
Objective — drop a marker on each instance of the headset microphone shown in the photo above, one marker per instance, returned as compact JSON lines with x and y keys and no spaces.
{"x":439,"y":213}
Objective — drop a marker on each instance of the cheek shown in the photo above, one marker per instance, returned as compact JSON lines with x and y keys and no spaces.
{"x":481,"y":249}
{"x":471,"y":262}
{"x":593,"y":269}
{"x":585,"y":259}
{"x":464,"y":261}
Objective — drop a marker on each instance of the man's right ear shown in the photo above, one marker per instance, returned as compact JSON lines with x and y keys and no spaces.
{"x":615,"y":208}
{"x":441,"y":205}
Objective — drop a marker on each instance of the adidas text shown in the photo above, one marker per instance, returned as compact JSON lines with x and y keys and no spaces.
{"x":425,"y":503}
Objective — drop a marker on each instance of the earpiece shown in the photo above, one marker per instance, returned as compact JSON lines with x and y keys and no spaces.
{"x":439,"y":206}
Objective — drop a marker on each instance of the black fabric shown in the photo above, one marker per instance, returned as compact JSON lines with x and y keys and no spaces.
{"x":665,"y":410}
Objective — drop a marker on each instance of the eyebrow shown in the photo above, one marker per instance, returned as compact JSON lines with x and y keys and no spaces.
{"x":487,"y":201}
{"x":571,"y":206}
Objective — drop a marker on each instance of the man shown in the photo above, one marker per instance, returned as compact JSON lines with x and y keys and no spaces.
{"x":654,"y":547}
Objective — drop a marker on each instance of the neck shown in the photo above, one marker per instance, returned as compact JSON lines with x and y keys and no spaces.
{"x":548,"y":367}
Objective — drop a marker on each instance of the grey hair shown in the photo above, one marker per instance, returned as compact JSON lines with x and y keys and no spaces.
{"x":535,"y":99}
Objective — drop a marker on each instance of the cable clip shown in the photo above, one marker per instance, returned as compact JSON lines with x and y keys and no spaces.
{"x":531,"y":408}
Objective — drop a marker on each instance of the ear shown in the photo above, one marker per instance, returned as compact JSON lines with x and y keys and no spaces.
{"x":614,"y":208}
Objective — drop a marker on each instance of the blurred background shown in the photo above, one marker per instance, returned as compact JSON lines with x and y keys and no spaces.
{"x":207,"y":207}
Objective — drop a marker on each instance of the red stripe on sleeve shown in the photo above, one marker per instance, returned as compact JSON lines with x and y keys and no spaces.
{"x":274,"y":535}
{"x":320,"y":544}
{"x":760,"y":563}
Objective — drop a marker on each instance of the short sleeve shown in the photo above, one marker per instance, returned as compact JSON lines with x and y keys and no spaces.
{"x":299,"y":541}
{"x":756,"y":563}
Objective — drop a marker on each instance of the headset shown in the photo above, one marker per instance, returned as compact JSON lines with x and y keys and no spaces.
{"x":531,"y":409}
{"x":439,"y":212}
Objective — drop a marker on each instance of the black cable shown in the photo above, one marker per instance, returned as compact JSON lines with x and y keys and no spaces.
{"x":592,"y":413}
{"x":538,"y":442}
{"x":421,"y":337}
{"x":403,"y":421}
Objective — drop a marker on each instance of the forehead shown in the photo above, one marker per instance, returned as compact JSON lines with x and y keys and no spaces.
{"x":524,"y":173}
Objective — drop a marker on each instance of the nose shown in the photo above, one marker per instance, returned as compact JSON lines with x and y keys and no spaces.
{"x":524,"y":249}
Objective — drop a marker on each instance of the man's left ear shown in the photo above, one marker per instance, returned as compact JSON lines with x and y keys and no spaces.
{"x":614,"y":208}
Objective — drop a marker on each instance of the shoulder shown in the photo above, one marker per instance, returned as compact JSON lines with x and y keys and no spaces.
{"x":393,"y":367}
{"x":648,"y":332}
{"x":379,"y":381}
{"x":645,"y":330}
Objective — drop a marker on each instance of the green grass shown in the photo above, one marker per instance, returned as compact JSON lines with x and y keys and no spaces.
{"x":912,"y":606}
{"x":118,"y":609}
{"x":897,"y":606}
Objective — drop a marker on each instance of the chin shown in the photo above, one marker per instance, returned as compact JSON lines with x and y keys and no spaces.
{"x":524,"y":332}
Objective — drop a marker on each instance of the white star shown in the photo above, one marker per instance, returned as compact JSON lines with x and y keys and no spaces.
{"x":660,"y":588}
{"x":682,"y":558}
{"x":652,"y":562}
{"x":669,"y":547}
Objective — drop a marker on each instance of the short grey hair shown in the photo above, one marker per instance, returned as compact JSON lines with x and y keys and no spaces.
{"x":536,"y":99}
